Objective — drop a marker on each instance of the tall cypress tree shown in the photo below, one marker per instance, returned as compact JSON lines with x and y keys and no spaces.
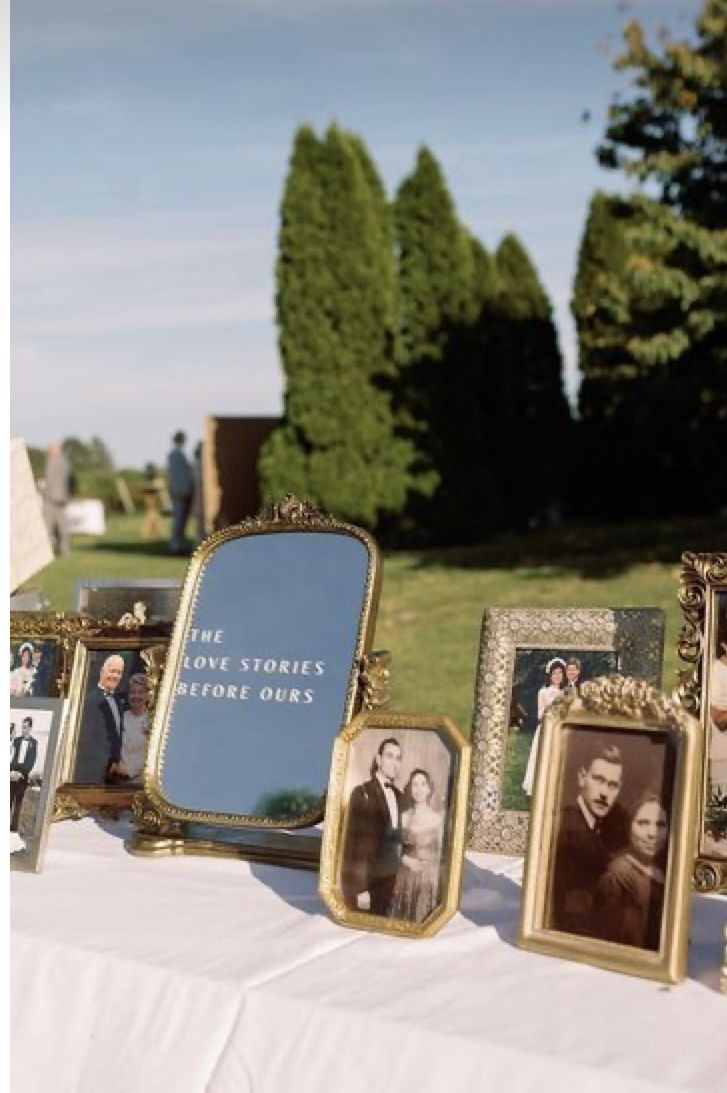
{"x":336,"y":310}
{"x":436,"y":269}
{"x":533,"y":420}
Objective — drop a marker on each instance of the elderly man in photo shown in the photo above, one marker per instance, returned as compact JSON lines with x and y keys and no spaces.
{"x":591,"y":831}
{"x":24,"y":751}
{"x":372,"y":853}
{"x":718,"y":712}
{"x":98,"y":757}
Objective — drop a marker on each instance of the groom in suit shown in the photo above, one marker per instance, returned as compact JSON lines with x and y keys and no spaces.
{"x":98,"y":757}
{"x":22,"y":761}
{"x":372,"y":852}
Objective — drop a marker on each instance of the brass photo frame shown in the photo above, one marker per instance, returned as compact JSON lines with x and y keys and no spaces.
{"x":620,"y":902}
{"x":702,"y":646}
{"x":404,"y":878}
{"x":270,"y":656}
{"x":84,"y":784}
{"x":519,"y":644}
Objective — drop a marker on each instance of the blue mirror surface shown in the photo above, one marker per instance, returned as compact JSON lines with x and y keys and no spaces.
{"x":265,"y":674}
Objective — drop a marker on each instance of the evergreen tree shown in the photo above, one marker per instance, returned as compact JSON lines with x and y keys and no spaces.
{"x":672,"y":134}
{"x":533,"y":418}
{"x":336,"y":311}
{"x":437,"y":305}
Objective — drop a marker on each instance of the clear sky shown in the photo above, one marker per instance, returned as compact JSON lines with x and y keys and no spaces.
{"x":150,"y":141}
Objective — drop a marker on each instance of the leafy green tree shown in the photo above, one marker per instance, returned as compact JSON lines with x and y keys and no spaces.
{"x":672,"y":293}
{"x":337,"y":319}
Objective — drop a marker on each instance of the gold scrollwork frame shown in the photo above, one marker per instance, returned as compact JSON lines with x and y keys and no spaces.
{"x":161,"y":826}
{"x":74,"y":799}
{"x":334,"y":831}
{"x":631,"y":705}
{"x":703,"y":578}
{"x":636,"y":634}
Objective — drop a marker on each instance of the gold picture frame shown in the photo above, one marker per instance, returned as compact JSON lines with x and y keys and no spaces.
{"x":611,"y":843}
{"x":418,"y":889}
{"x":173,"y":820}
{"x":519,"y":649}
{"x":703,"y":600}
{"x":85,"y":782}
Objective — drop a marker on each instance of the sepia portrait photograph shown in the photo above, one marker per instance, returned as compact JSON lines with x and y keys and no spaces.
{"x":611,"y":836}
{"x":399,"y":802}
{"x":611,"y":845}
{"x":110,"y":717}
{"x":35,"y":725}
{"x":33,"y":667}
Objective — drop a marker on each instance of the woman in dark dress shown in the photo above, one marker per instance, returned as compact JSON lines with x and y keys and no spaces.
{"x":629,"y":898}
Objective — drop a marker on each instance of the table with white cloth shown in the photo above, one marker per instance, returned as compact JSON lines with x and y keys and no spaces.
{"x":192,"y":974}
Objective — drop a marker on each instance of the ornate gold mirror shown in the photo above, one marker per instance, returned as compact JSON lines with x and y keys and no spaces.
{"x":267,"y":661}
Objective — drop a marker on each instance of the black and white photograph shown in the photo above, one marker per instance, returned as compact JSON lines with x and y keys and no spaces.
{"x":396,"y":798}
{"x":35,"y":725}
{"x":611,"y":835}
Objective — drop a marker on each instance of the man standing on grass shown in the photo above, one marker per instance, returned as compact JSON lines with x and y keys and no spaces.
{"x":181,"y":491}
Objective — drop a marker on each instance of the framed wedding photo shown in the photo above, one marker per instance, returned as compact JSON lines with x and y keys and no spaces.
{"x":393,"y":841}
{"x":703,"y":645}
{"x":36,"y":655}
{"x":530,"y":658}
{"x":111,"y":700}
{"x":608,"y":868}
{"x":35,"y":738}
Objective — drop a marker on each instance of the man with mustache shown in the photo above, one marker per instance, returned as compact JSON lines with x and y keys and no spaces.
{"x":590,"y":832}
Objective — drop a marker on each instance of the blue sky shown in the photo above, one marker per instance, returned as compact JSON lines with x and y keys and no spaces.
{"x":150,"y":140}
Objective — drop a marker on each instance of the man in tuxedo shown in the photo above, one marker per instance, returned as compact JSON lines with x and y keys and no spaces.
{"x":572,"y":675}
{"x":590,"y":832}
{"x":22,"y":760}
{"x":98,"y":756}
{"x":372,"y":852}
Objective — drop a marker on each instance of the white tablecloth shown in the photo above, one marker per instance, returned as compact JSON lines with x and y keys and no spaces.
{"x":184,"y":975}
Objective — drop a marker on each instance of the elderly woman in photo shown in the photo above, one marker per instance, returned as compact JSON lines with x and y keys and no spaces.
{"x":547,"y":695}
{"x":135,"y":735}
{"x":629,"y":897}
{"x":21,"y":677}
{"x":416,"y":890}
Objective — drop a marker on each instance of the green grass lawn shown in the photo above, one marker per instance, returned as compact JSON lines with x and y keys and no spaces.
{"x":432,"y":601}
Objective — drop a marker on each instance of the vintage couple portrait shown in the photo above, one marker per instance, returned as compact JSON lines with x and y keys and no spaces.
{"x":396,"y":810}
{"x":113,"y":733}
{"x":393,"y":840}
{"x":610,"y":847}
